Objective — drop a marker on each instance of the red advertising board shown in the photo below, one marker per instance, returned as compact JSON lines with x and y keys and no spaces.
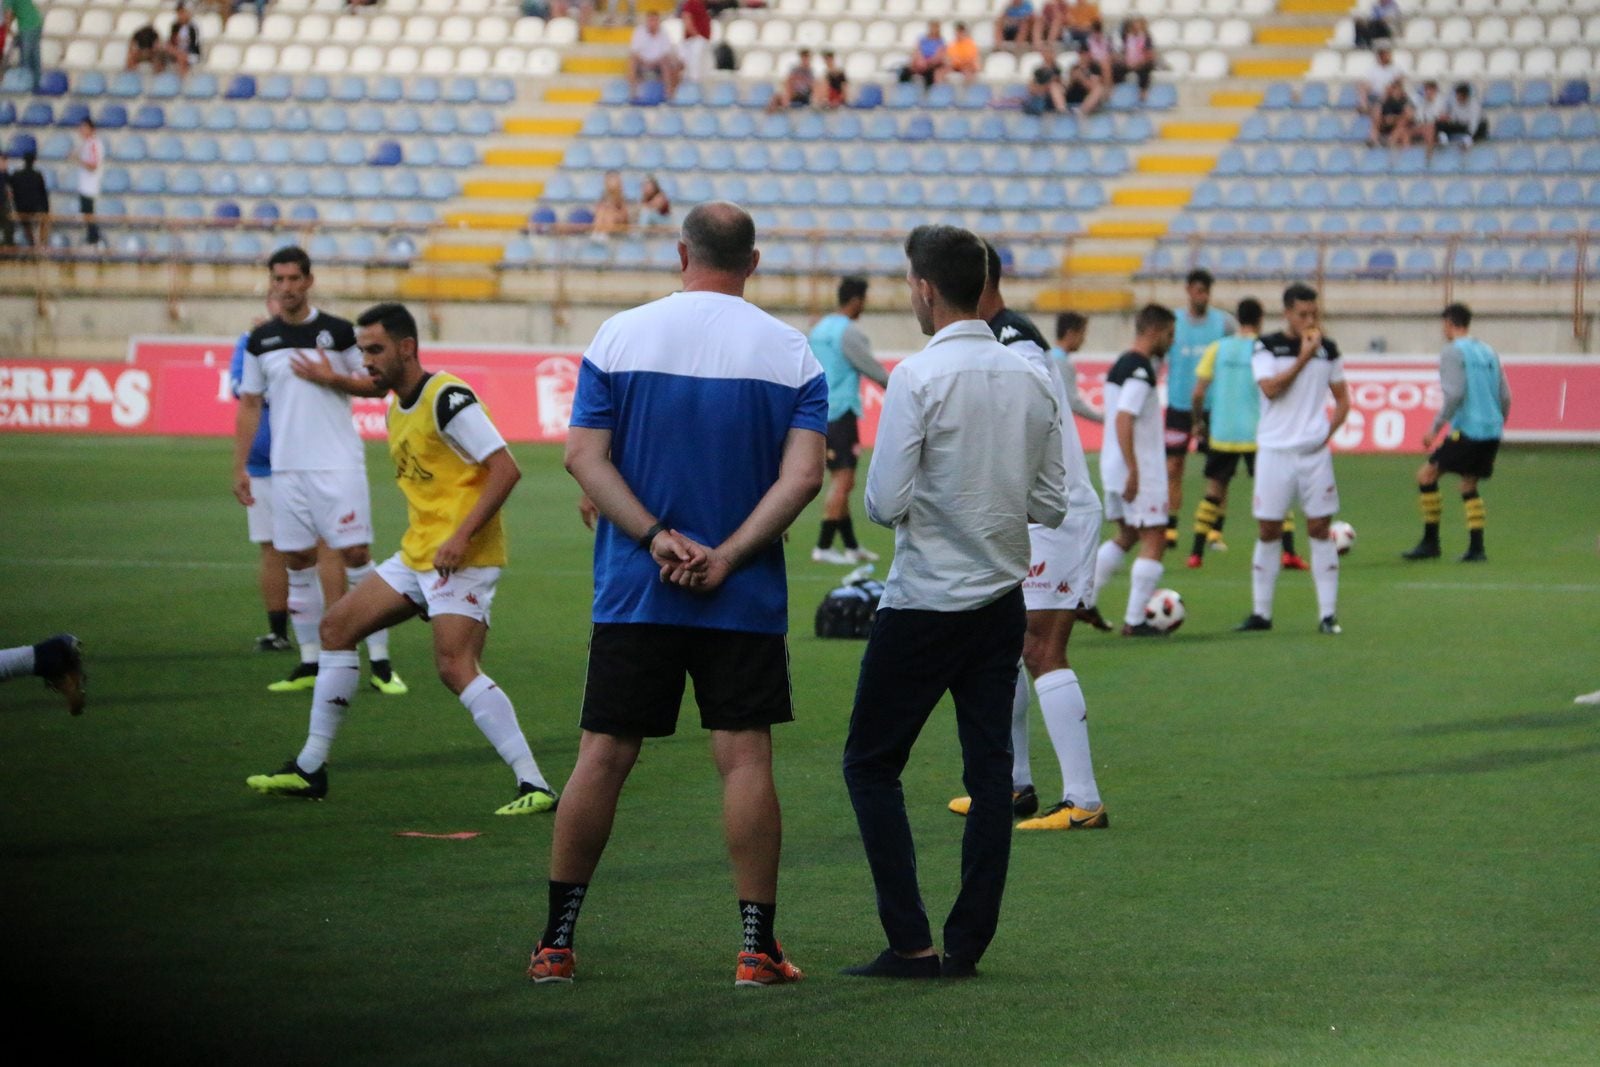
{"x":180,"y":386}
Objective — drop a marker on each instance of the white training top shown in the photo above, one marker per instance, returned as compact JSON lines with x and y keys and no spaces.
{"x":651,"y":47}
{"x":311,"y":425}
{"x":1080,"y":488}
{"x":90,"y":152}
{"x":1131,"y":387}
{"x":1297,"y":419}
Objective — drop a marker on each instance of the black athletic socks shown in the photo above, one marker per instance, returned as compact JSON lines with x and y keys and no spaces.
{"x":757,"y":919}
{"x":1473,"y":503}
{"x":278,"y":623}
{"x":825,"y":539}
{"x":847,"y":533}
{"x":1432,"y":508}
{"x":565,"y":900}
{"x":381,"y":670}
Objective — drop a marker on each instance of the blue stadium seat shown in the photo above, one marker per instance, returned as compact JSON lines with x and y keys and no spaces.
{"x":953,"y":128}
{"x":903,"y":95}
{"x":385,"y":154}
{"x":1229,"y":162}
{"x":366,"y":185}
{"x":1409,"y":222}
{"x":1333,"y":223}
{"x":1269,"y":263}
{"x":1279,"y":196}
{"x":221,"y":119}
{"x":424,"y":90}
{"x":265,"y":211}
{"x":201,"y":150}
{"x":361,"y":247}
{"x":441,"y":122}
{"x":881,"y":127}
{"x":1420,"y":263}
{"x":1183,"y":225}
{"x":1111,"y":162}
{"x":1523,"y":222}
{"x":245,"y":247}
{"x":1529,"y":193}
{"x":1498,"y":94}
{"x":736,"y":126}
{"x":1448,"y":222}
{"x":1495,"y":261}
{"x":939,"y":97}
{"x":756,"y":94}
{"x":124,"y":86}
{"x":626,"y":124}
{"x":303,"y":212}
{"x":1124,"y":97}
{"x":1254,"y":129}
{"x":1312,"y":196}
{"x":1371,"y":223}
{"x":1534,"y":94}
{"x":918,"y":128}
{"x":1589,"y":160}
{"x":1303,"y":161}
{"x":275,"y":88}
{"x":239,"y":151}
{"x":1240,"y":196}
{"x":718,"y":94}
{"x":112,"y":117}
{"x":150,"y":181}
{"x":1562,"y":222}
{"x":402,"y":184}
{"x":973,"y":97}
{"x":366,"y":120}
{"x":116,"y":182}
{"x":330,"y":120}
{"x":1487,"y":222}
{"x":439,"y":186}
{"x":1381,"y":263}
{"x":1222,"y":223}
{"x":314,"y":89}
{"x":227,"y":211}
{"x":221,"y":183}
{"x":1207,"y":195}
{"x":1420,"y":195}
{"x":1566,"y":193}
{"x":1534,"y":262}
{"x":461,"y":91}
{"x":72,"y":115}
{"x":1574,"y":93}
{"x":1343,"y":262}
{"x":164,"y":86}
{"x":330,"y":185}
{"x":1328,"y":128}
{"x":1278,"y":97}
{"x":1339,"y":160}
{"x":663,"y":124}
{"x":1290,"y":128}
{"x":1556,"y":159}
{"x":1585,"y":126}
{"x":55,"y":148}
{"x":36,"y":114}
{"x":200,"y":85}
{"x":240,"y":87}
{"x":1295,"y":224}
{"x":1163,"y":96}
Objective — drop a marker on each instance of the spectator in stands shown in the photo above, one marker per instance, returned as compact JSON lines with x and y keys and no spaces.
{"x":1045,"y":91}
{"x":22,"y":19}
{"x":1385,"y":70}
{"x":1083,"y":88}
{"x":1394,"y":119}
{"x":696,"y":47}
{"x":1081,"y":18}
{"x":183,"y":42}
{"x":1102,"y":56}
{"x":963,"y":53}
{"x":31,"y":198}
{"x":1017,"y":25}
{"x":835,"y":84}
{"x":1381,"y":24}
{"x":1463,"y":119}
{"x":1431,"y":109}
{"x":8,"y":215}
{"x":611,"y":212}
{"x":90,"y":155}
{"x":654,"y":207}
{"x":797,"y":85}
{"x":929,"y":59}
{"x":145,"y":46}
{"x":1138,"y":55}
{"x":1050,"y":24}
{"x":652,"y":52}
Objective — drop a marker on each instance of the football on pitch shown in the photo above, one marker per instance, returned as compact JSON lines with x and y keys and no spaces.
{"x":1165,"y":610}
{"x":1344,"y":536}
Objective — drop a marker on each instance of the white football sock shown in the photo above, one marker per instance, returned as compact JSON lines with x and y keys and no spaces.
{"x":1067,"y":718}
{"x":1021,"y":773}
{"x":1325,"y":573}
{"x":16,"y":662}
{"x":305,"y":612}
{"x":338,"y":675}
{"x":378,"y":640}
{"x":1145,"y":578}
{"x":1264,"y":568}
{"x":1106,"y":562}
{"x":492,"y":711}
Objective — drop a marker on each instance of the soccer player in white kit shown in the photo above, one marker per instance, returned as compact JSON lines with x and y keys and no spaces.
{"x":1060,"y":576}
{"x":306,"y":366}
{"x":1133,"y":466}
{"x":1297,"y":368}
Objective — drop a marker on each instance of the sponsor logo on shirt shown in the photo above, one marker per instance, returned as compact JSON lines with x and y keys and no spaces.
{"x":1036,"y":570}
{"x":324,"y":339}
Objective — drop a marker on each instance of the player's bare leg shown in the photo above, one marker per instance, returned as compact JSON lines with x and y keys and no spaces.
{"x":357,"y":560}
{"x":372,"y":605}
{"x":1143,"y":581}
{"x":458,"y":642}
{"x":1066,"y":719}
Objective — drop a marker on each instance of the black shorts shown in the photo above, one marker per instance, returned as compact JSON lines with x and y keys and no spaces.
{"x":1076,"y":94}
{"x":1180,"y":424}
{"x":844,"y":443}
{"x":636,"y":679}
{"x":1222,"y":466}
{"x":1464,"y":455}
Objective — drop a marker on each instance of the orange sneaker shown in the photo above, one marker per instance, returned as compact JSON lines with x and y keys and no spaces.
{"x":1292,"y":562}
{"x":758,"y":968}
{"x":552,"y":965}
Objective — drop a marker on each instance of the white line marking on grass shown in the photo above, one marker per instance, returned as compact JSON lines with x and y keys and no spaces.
{"x":1505,"y":587}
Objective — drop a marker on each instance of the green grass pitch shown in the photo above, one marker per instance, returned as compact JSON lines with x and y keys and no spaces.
{"x":1380,"y":848}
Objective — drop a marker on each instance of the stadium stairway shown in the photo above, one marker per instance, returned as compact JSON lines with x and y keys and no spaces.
{"x":1143,"y":203}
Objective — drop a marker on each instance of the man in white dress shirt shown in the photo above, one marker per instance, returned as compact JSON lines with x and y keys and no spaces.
{"x":968,"y":453}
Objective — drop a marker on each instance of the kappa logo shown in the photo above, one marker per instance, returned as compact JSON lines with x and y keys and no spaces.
{"x":1009,"y":334}
{"x":347,"y":519}
{"x":340,"y":702}
{"x":443,"y":580}
{"x":1063,"y":588}
{"x":457,"y":399}
{"x":1036,"y":570}
{"x":472,"y":598}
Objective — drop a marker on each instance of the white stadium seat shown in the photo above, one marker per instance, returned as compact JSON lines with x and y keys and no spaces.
{"x":861,"y":66}
{"x":1433,"y":63}
{"x":1455,"y":30}
{"x":1198,"y":33}
{"x":811,"y":33}
{"x":457,"y":29}
{"x":1420,"y":31}
{"x":561,"y":31}
{"x":741,"y":33}
{"x":1528,"y":30}
{"x":1234,"y":33}
{"x":367,"y":59}
{"x":528,"y":31}
{"x":911,"y":33}
{"x":261,"y":58}
{"x":59,"y":22}
{"x":350,"y":29}
{"x":1183,"y":8}
{"x":129,"y":21}
{"x":473,"y":7}
{"x":543,"y":62}
{"x":1000,"y":66}
{"x":438,"y":7}
{"x":225,"y":56}
{"x":1503,"y":62}
{"x":510,"y":60}
{"x":328,"y":7}
{"x":1326,"y":64}
{"x":775,"y":33}
{"x":1211,"y":64}
{"x":438,"y":59}
{"x":902,"y":9}
{"x":1591,"y":30}
{"x":1515,"y":7}
{"x":114,"y":56}
{"x":1492,"y":30}
{"x":314,"y":29}
{"x":846,"y":34}
{"x":1178,"y":62}
{"x":1564,"y":29}
{"x":420,"y":30}
{"x":828,"y":8}
{"x":402,"y":60}
{"x":95,"y":24}
{"x":1576,"y":62}
{"x":1538,"y":63}
{"x":382,"y":29}
{"x":1466,"y":63}
{"x":81,"y":55}
{"x":473,"y":59}
{"x":880,"y":34}
{"x":756,"y":64}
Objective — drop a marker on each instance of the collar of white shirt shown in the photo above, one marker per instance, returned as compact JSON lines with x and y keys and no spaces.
{"x":963,"y":328}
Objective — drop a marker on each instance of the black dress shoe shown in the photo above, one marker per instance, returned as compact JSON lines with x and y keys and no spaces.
{"x":891,"y":965}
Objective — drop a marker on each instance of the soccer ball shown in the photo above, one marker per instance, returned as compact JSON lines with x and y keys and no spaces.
{"x":1165,"y":610}
{"x":1344,"y":536}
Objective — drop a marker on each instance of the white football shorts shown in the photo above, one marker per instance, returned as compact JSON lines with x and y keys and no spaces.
{"x":258,"y":516}
{"x":333,"y":505}
{"x":1282,"y":478}
{"x":1061,"y":575}
{"x":1148,"y":508}
{"x":468,"y":591}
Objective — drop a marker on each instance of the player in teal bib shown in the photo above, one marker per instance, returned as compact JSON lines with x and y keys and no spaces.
{"x":1476,"y":401}
{"x":845,"y":353}
{"x":1199,"y":326}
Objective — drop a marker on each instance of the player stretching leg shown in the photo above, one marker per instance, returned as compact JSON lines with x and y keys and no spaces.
{"x":1198,"y":327}
{"x":845,"y":353}
{"x":456,"y":472}
{"x":1131,"y":468}
{"x":58,"y":660}
{"x":302,"y":367}
{"x":1296,"y":369}
{"x":1059,"y":576}
{"x":1477,"y":400}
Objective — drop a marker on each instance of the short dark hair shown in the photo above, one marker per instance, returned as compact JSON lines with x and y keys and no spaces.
{"x":1250,"y":312}
{"x":1463,"y":88}
{"x":1298,"y":293}
{"x":720,"y":235}
{"x":29,"y":157}
{"x":396,"y":321}
{"x":1153,"y":317}
{"x":291,"y":254}
{"x":1068,"y":321}
{"x":1201,"y":275}
{"x":954,"y":261}
{"x":1459,"y":314}
{"x":995,"y":265}
{"x":851,"y":287}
